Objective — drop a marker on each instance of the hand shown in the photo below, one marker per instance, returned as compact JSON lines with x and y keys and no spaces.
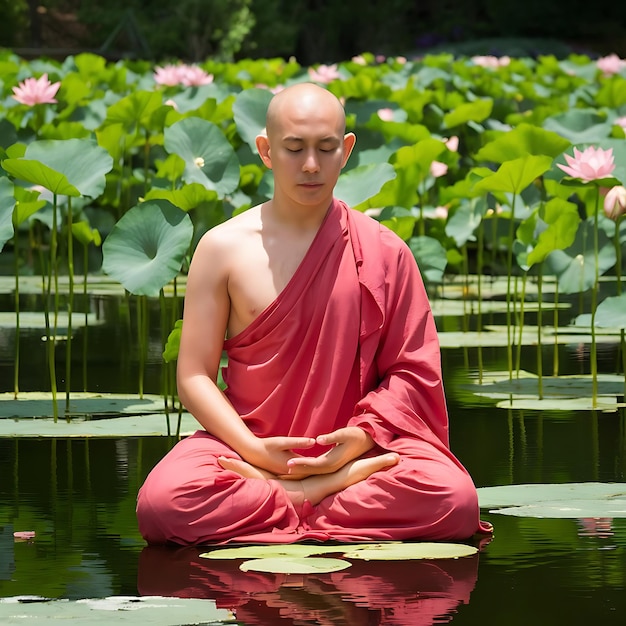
{"x":274,"y":453}
{"x":348,"y":444}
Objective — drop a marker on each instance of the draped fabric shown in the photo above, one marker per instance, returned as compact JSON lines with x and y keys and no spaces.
{"x":350,"y":341}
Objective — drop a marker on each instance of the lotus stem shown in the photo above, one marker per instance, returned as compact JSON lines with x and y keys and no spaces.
{"x":16,"y":370}
{"x":509,"y":263}
{"x":70,"y":307}
{"x":518,"y":356}
{"x":594,"y":305}
{"x":51,"y":336}
{"x":555,"y":355}
{"x":539,"y":327}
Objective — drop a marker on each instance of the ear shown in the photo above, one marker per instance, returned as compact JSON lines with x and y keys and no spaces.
{"x":263,"y":146}
{"x":349,"y":139}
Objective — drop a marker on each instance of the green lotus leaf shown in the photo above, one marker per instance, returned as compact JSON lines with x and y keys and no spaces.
{"x":611,"y":313}
{"x":249,"y":110}
{"x":575,"y":267}
{"x":476,"y":111}
{"x":294,"y":565}
{"x":465,"y":220}
{"x":134,"y":111}
{"x":7,"y":204}
{"x":37,"y":173}
{"x":431,"y":257}
{"x":209,"y":157}
{"x":362,"y":183}
{"x":579,"y":126}
{"x":522,"y":140}
{"x":146,"y":248}
{"x":291,"y":550}
{"x":515,"y":176}
{"x":569,"y":500}
{"x":186,"y":198}
{"x":411,"y":551}
{"x":83,"y":232}
{"x":172,"y":345}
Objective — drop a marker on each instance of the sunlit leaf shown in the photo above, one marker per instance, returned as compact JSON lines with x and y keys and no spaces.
{"x":514,"y":176}
{"x":409,"y":551}
{"x":520,"y":141}
{"x":7,"y":204}
{"x":209,"y":157}
{"x":569,"y":500}
{"x":249,"y":110}
{"x":172,"y":345}
{"x":146,"y":248}
{"x":362,"y":183}
{"x":431,"y":257}
{"x":476,"y":111}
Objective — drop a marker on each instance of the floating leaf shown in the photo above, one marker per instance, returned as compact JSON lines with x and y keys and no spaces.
{"x":570,"y":500}
{"x":292,"y":550}
{"x":294,"y":565}
{"x":411,"y":551}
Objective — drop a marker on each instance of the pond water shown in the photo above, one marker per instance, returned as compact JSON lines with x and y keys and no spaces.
{"x":78,"y":496}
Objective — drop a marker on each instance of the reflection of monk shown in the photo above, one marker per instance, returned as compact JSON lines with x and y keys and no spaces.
{"x":419,"y":592}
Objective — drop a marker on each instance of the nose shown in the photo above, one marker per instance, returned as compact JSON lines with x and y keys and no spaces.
{"x":311,"y":162}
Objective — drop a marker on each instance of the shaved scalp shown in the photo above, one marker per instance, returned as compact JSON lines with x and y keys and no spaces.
{"x":303,"y":97}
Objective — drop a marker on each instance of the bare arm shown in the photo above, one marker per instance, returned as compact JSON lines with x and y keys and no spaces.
{"x":207,"y":309}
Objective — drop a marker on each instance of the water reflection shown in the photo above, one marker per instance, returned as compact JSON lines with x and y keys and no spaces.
{"x":419,"y":593}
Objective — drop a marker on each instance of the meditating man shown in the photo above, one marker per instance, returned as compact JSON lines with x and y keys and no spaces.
{"x":333,"y":423}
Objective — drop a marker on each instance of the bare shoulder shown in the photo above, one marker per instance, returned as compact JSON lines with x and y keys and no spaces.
{"x":226,"y":239}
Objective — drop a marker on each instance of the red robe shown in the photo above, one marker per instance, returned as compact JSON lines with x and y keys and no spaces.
{"x":350,"y":341}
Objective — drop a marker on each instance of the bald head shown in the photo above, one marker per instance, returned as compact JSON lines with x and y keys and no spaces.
{"x":305,"y":100}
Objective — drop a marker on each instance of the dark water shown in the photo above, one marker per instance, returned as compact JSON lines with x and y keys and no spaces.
{"x":78,"y":496}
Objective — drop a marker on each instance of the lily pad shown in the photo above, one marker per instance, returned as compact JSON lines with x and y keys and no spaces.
{"x":569,"y":500}
{"x":295,"y":565}
{"x":148,"y":610}
{"x":559,"y":392}
{"x":291,"y":550}
{"x":411,"y":551}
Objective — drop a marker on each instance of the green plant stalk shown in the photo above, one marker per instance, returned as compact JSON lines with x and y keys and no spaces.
{"x":479,"y":273}
{"x":142,"y":333}
{"x":518,"y":355}
{"x":86,"y":307}
{"x":509,"y":265}
{"x":16,"y":369}
{"x":555,"y":355}
{"x":618,"y":279}
{"x":51,"y":336}
{"x":165,"y":380}
{"x":539,"y":327}
{"x":594,"y":305}
{"x":70,"y":306}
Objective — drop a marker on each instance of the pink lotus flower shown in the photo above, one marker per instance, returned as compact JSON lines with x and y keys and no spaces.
{"x":441,"y":212}
{"x":438,"y":169}
{"x":359,"y":59}
{"x":452,"y":144}
{"x":491,"y":61}
{"x":34,"y":91}
{"x":194,"y":76}
{"x":610,"y":64}
{"x":615,"y":202}
{"x":590,"y":164}
{"x":385,"y":114}
{"x":324,"y":73}
{"x":186,"y":75}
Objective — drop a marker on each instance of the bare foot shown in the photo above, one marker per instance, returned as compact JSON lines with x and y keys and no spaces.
{"x":243,"y":468}
{"x":316,"y":488}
